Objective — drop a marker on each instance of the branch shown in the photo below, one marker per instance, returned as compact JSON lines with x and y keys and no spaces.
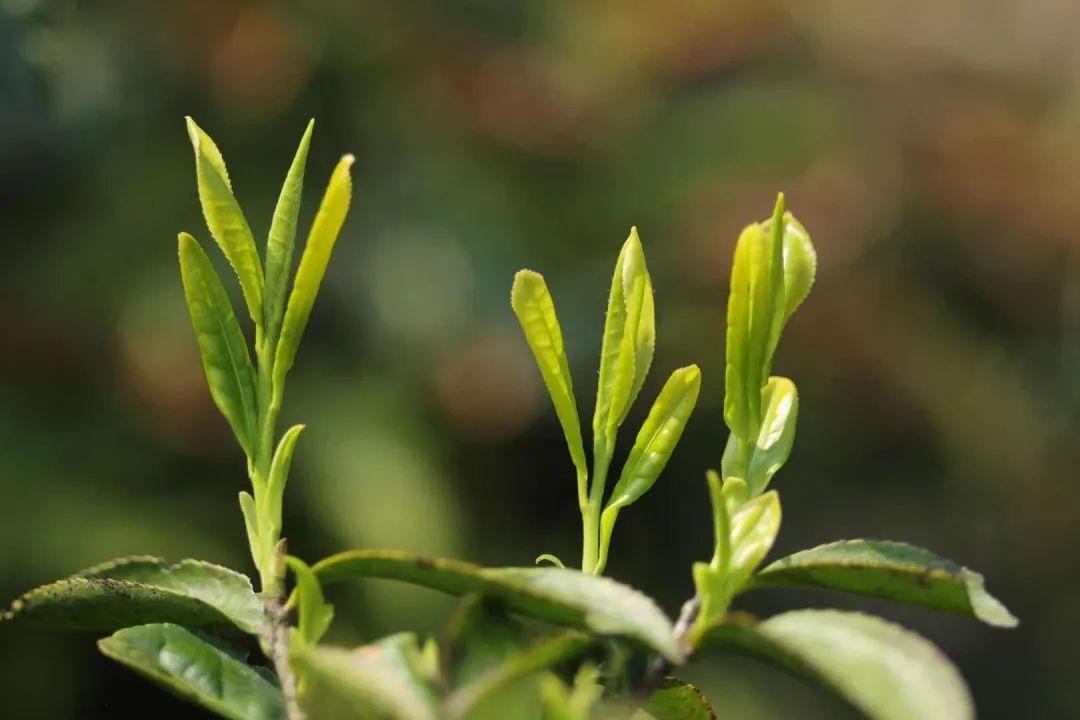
{"x":659,"y":667}
{"x":276,"y":640}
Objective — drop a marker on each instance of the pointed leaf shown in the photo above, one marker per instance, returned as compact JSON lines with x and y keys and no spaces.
{"x":373,"y":682}
{"x":309,"y":276}
{"x":191,"y":667}
{"x":658,"y":436}
{"x":557,"y":595}
{"x":251,"y":525}
{"x":225,"y":218}
{"x":576,"y":702}
{"x":224,"y":351}
{"x":676,"y":700}
{"x":535,"y":311}
{"x":136,"y":590}
{"x":737,"y":410}
{"x":780,"y":406}
{"x":315,"y":613}
{"x":885,"y":671}
{"x":890,"y":570}
{"x":270,"y":522}
{"x":282,"y":238}
{"x":619,"y":366}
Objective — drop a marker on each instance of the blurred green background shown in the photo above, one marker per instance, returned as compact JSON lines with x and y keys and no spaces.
{"x":931,"y":149}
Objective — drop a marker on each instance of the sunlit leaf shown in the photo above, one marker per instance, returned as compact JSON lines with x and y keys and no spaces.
{"x":190,"y":666}
{"x":556,"y":595}
{"x":222,"y":346}
{"x":658,"y":437}
{"x":536,"y":312}
{"x":315,"y":614}
{"x":780,"y":408}
{"x":891,"y":570}
{"x":619,"y":366}
{"x":225,"y":218}
{"x":282,"y":238}
{"x":575,"y":702}
{"x":737,"y":409}
{"x":372,"y":682}
{"x":753,"y":529}
{"x":309,"y":276}
{"x":885,"y":671}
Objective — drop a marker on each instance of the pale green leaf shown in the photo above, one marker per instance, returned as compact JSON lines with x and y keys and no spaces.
{"x":780,"y":407}
{"x":890,"y":570}
{"x":737,"y":411}
{"x":282,"y":238}
{"x":535,"y":311}
{"x":270,"y":521}
{"x":753,"y":529}
{"x":575,"y":702}
{"x":619,"y":368}
{"x":225,"y":218}
{"x":224,"y":351}
{"x":658,"y":437}
{"x":315,"y":614}
{"x":197,"y":670}
{"x":251,"y":525}
{"x":885,"y":671}
{"x":309,"y":276}
{"x":374,"y":682}
{"x":137,"y":590}
{"x":557,"y":595}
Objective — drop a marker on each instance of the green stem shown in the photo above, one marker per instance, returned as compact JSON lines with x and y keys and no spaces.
{"x":590,"y":546}
{"x":267,"y":404}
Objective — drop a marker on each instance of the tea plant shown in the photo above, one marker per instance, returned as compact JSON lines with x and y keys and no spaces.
{"x":525,"y":642}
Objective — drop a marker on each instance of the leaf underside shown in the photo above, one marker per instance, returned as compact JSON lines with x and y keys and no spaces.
{"x":556,"y":595}
{"x":893,"y":571}
{"x":197,"y":670}
{"x":883,"y":670}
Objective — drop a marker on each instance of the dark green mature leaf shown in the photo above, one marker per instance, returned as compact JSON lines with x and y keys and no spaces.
{"x":557,"y":595}
{"x":374,"y":682}
{"x":535,"y":310}
{"x":197,"y":670}
{"x":676,"y":700}
{"x":890,"y":570}
{"x":225,"y":218}
{"x":282,"y":239}
{"x":309,"y":276}
{"x":224,"y":351}
{"x":133,"y":591}
{"x":885,"y":671}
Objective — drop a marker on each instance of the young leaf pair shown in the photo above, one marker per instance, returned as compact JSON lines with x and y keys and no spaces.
{"x":250,"y":395}
{"x":625,"y":357}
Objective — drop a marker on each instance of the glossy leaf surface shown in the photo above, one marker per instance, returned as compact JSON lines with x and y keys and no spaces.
{"x":885,"y":671}
{"x":557,"y":595}
{"x":190,"y":666}
{"x":133,"y":591}
{"x":225,"y":218}
{"x":224,"y":350}
{"x":780,"y":411}
{"x":890,"y":570}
